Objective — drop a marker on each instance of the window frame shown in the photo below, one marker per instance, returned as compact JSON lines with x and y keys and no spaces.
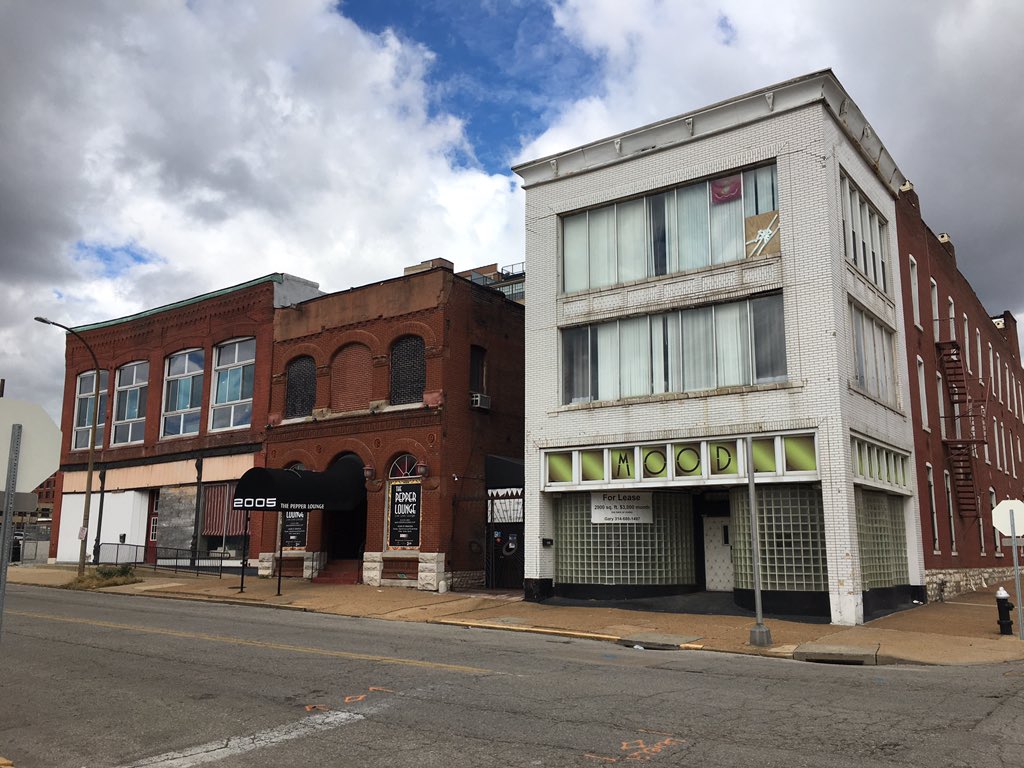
{"x":195,"y":387}
{"x":295,"y":401}
{"x":226,"y":370}
{"x":662,"y":248}
{"x":84,"y":394}
{"x":580,"y":355}
{"x":141,"y":399}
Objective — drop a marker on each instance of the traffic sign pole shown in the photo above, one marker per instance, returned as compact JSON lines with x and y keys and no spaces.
{"x":1016,"y":578}
{"x":7,"y":530}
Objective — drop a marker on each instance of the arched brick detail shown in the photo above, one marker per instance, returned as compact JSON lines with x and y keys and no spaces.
{"x":414,"y":328}
{"x":358,"y":337}
{"x":297,"y":455}
{"x":352,"y":378}
{"x":350,"y":445}
{"x":305,"y":349}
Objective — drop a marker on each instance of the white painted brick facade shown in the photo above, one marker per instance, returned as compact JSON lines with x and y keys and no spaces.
{"x":809,"y":149}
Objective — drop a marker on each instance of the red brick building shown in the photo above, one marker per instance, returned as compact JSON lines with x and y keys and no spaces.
{"x":184,"y":394}
{"x":415,"y":386}
{"x":967,"y":409}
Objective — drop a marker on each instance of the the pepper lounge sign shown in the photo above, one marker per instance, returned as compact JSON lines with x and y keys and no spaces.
{"x":404,"y":510}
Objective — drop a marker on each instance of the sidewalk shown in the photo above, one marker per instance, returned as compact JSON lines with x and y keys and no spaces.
{"x":958,"y":632}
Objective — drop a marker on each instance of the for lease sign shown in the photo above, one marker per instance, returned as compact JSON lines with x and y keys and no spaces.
{"x":625,"y":507}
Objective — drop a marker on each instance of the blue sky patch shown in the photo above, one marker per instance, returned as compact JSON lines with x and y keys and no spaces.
{"x":502,"y":67}
{"x":115,"y":260}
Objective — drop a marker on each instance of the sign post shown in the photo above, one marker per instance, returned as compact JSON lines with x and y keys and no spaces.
{"x":1008,"y":518}
{"x":33,"y":457}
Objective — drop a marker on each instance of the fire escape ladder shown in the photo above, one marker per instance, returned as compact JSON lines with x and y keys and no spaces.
{"x":962,"y":432}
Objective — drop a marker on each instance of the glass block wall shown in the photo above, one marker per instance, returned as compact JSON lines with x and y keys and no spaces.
{"x":883,"y":539}
{"x":661,"y":552}
{"x":792,"y":532}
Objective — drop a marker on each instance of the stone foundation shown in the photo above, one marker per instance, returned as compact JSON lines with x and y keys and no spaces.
{"x":947,"y":583}
{"x":312,"y":563}
{"x":431,"y":575}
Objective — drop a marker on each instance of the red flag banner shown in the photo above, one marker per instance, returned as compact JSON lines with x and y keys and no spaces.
{"x":724,"y":190}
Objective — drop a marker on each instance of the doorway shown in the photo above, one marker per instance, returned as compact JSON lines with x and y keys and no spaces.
{"x":713,"y":510}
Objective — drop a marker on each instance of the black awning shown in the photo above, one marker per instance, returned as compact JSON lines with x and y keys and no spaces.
{"x":340,"y":489}
{"x":502,"y":472}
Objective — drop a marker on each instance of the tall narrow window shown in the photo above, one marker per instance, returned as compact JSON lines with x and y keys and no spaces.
{"x":995,"y":533}
{"x":183,"y":393}
{"x":941,"y":399}
{"x":998,"y":379}
{"x":967,"y":344}
{"x":477,"y":369}
{"x":1002,"y":444}
{"x":977,"y":339}
{"x":408,"y":371}
{"x":85,"y":401}
{"x":922,"y":391}
{"x":934,"y":294}
{"x":931,"y":501}
{"x":300,"y":387}
{"x":949,"y":506}
{"x":914,"y":297}
{"x":130,"y":403}
{"x":234,"y":376}
{"x":950,"y":333}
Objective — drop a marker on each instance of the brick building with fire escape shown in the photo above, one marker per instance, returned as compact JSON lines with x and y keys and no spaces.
{"x":967,"y":405}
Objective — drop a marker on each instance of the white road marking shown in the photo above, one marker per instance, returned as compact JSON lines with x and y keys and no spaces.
{"x":237,"y":745}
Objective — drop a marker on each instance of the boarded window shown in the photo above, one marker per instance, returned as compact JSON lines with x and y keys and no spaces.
{"x":351,"y":378}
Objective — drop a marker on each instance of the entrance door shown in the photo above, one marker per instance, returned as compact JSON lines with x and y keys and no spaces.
{"x":718,"y":571}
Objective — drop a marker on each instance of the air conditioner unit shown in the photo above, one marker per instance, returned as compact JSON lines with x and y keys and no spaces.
{"x":481,"y":401}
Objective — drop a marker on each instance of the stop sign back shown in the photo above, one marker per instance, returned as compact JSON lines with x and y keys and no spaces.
{"x":1003,"y":511}
{"x":40,"y":444}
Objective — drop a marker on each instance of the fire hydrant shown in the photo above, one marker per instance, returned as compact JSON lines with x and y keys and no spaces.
{"x":1004,"y":606}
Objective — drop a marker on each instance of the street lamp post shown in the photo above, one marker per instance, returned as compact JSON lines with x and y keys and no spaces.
{"x":92,"y":439}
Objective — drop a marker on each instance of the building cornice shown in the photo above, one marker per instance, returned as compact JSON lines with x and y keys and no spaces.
{"x":817,"y":88}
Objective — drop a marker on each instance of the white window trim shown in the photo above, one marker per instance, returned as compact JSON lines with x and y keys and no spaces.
{"x":216,"y":370}
{"x":168,"y":378}
{"x":915,"y":299}
{"x":922,"y":389}
{"x":118,"y":389}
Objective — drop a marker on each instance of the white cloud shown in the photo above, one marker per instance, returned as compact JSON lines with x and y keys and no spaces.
{"x":229,"y":140}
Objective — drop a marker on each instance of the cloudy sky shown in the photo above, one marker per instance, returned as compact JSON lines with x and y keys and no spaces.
{"x":156,"y":149}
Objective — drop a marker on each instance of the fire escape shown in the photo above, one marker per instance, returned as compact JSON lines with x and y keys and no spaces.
{"x":966,"y":424}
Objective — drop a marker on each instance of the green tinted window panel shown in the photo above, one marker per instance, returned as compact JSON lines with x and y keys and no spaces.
{"x":623,"y":463}
{"x":655,"y":461}
{"x":559,"y":467}
{"x":592,"y":465}
{"x":764,"y":456}
{"x":800,"y":456}
{"x":723,"y":458}
{"x":687,"y":460}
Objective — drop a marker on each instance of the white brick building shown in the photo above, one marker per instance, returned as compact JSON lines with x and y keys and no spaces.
{"x":664,"y":264}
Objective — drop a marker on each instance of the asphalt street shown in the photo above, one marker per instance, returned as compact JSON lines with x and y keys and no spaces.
{"x":93,"y":680}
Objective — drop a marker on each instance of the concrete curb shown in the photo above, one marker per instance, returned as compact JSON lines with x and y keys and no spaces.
{"x":825,"y":653}
{"x":525,"y":628}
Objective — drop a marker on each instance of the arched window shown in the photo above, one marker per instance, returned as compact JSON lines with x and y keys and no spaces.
{"x":403,"y":467}
{"x":300,"y":387}
{"x":351,"y":378}
{"x":408,"y":371}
